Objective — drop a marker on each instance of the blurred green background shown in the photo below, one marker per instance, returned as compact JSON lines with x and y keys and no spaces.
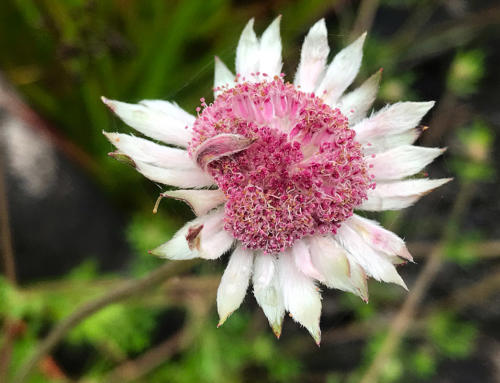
{"x":87,"y":225}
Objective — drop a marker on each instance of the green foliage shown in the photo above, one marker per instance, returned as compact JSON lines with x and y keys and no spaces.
{"x":473,"y":162}
{"x":221,"y":355}
{"x":453,"y":337}
{"x":423,"y":363}
{"x":124,"y":328}
{"x":465,"y":73}
{"x":462,"y":250}
{"x":145,"y":232}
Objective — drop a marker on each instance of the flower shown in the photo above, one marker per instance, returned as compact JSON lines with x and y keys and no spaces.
{"x":275,"y":170}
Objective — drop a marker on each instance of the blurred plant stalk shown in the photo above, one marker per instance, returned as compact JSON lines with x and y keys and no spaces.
{"x":476,"y":140}
{"x":124,"y":291}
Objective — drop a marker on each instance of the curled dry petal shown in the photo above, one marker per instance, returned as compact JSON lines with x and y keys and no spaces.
{"x":220,"y":146}
{"x":203,"y":237}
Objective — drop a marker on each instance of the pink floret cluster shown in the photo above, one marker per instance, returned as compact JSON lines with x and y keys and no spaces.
{"x":303,"y":174}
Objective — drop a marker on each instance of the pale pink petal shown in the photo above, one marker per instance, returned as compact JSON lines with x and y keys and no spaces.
{"x":389,"y":141}
{"x":267,"y":290}
{"x":301,"y":296}
{"x":169,"y":124}
{"x":402,"y":161}
{"x":341,"y":72}
{"x":313,"y":58}
{"x":355,"y":105}
{"x":200,"y":200}
{"x":392,"y":119}
{"x":247,"y":52}
{"x":378,"y":238}
{"x":331,"y":260}
{"x":302,"y":258}
{"x":234,"y":283}
{"x":376,"y":265}
{"x":140,"y":149}
{"x":399,"y":194}
{"x":182,"y":178}
{"x":270,"y":50}
{"x":223,"y":77}
{"x":204,"y":237}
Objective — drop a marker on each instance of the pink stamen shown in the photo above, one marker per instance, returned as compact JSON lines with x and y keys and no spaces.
{"x":303,"y":174}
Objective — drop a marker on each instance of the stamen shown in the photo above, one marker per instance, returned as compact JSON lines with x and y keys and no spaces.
{"x":302,"y":174}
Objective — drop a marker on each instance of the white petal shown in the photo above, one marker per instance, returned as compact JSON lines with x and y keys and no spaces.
{"x":376,"y":265}
{"x":171,"y":109}
{"x":267,"y":290}
{"x":201,"y":201}
{"x":341,"y":72}
{"x":182,"y":178}
{"x":140,"y":149}
{"x":204,"y":237}
{"x":383,"y":143}
{"x":302,"y":258}
{"x":392,"y":119}
{"x":270,"y":50}
{"x":331,"y":260}
{"x":300,"y":295}
{"x":379,"y":238}
{"x":313,"y":58}
{"x":399,"y":194}
{"x":401,"y":162}
{"x":355,"y":105}
{"x":163,"y":121}
{"x":247,"y":52}
{"x":359,"y":279}
{"x":223,"y":77}
{"x":234,"y":283}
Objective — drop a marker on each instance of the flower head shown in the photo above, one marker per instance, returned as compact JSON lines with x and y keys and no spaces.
{"x":275,"y":170}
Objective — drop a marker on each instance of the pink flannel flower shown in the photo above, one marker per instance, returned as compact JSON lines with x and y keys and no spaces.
{"x":274,"y":172}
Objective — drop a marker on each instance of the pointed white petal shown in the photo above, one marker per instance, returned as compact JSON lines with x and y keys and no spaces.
{"x":359,"y":279}
{"x":267,"y":290}
{"x":300,"y":295}
{"x":201,"y":201}
{"x":378,"y":238}
{"x":234,"y":283}
{"x":313,"y":58}
{"x":355,"y":105}
{"x":270,"y":50}
{"x":302,"y":258}
{"x":204,"y":237}
{"x":223,"y":77}
{"x":140,"y":149}
{"x":331,"y":260}
{"x":383,"y":143}
{"x":171,"y":109}
{"x":392,"y":119}
{"x":182,"y":178}
{"x":399,"y":194}
{"x":165,"y":121}
{"x":401,"y":162}
{"x":341,"y":72}
{"x":247,"y":52}
{"x":376,"y":265}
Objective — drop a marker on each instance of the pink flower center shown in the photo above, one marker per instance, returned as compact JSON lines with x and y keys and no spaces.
{"x":299,"y":173}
